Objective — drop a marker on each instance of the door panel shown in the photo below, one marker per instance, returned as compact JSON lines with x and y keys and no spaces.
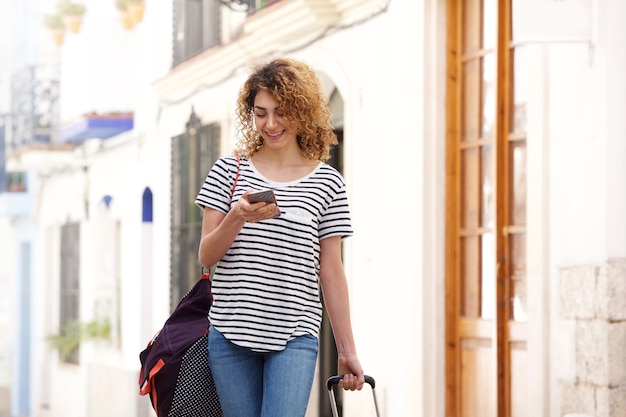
{"x":519,"y":393}
{"x":476,"y":360}
{"x":486,"y":217}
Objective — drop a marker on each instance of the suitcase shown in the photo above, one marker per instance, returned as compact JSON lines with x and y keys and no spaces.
{"x":334,"y":381}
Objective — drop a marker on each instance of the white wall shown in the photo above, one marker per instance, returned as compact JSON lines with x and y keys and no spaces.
{"x":384,"y":139}
{"x":7,"y":306}
{"x":583,"y":201}
{"x":586,"y":96}
{"x":106,"y":68}
{"x":100,"y":65}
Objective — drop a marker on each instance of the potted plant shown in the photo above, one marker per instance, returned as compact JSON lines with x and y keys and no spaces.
{"x":136,"y":9}
{"x":55,"y":23}
{"x":122,"y":6}
{"x":72,"y":334}
{"x":72,"y":15}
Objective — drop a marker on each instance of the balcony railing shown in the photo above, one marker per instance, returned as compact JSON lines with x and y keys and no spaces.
{"x":35,"y":108}
{"x":256,"y":5}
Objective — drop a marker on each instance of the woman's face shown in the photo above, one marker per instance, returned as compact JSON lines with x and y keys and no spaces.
{"x":270,"y":121}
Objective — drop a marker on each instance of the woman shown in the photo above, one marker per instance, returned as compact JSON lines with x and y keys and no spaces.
{"x":271,"y":258}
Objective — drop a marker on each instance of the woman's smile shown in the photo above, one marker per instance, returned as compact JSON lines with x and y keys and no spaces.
{"x":269,"y":119}
{"x":275,"y":135}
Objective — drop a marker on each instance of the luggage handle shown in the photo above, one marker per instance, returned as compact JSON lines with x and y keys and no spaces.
{"x":334,"y":380}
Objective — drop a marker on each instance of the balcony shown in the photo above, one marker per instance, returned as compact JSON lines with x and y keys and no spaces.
{"x":15,"y":182}
{"x":277,"y":26}
{"x":16,"y":200}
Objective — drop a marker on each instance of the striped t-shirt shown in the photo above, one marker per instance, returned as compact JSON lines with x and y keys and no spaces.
{"x":265,"y":288}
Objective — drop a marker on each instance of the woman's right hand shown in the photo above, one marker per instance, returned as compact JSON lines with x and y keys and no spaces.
{"x":255,"y":212}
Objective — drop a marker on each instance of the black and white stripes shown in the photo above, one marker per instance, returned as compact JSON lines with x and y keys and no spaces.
{"x":266,"y":286}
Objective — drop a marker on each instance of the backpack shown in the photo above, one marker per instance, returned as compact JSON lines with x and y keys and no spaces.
{"x":175,"y":371}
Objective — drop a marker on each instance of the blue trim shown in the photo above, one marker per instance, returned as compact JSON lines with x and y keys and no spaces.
{"x":100,"y":127}
{"x":146,"y":206}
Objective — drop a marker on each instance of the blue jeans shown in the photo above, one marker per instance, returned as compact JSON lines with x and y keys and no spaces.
{"x":253,"y":384}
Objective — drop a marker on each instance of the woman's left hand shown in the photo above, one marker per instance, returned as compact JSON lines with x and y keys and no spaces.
{"x":350,"y":368}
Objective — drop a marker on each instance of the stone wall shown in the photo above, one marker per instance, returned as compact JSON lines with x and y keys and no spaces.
{"x":594,"y":297}
{"x":5,"y":401}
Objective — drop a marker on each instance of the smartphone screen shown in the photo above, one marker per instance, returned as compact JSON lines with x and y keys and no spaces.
{"x":266,"y":196}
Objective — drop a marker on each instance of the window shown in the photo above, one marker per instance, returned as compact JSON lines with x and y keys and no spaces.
{"x":193,"y":155}
{"x":198,"y":23}
{"x":196,"y":27}
{"x":70,"y":280}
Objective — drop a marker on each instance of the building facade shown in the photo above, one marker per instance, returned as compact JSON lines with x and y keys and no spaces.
{"x":485,"y":156}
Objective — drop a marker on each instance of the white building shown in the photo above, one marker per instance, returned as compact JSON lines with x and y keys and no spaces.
{"x":485,"y":156}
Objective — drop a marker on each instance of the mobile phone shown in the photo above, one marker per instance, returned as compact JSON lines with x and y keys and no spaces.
{"x":266,"y":196}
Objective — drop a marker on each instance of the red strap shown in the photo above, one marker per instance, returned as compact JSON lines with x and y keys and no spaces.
{"x":147,"y":386}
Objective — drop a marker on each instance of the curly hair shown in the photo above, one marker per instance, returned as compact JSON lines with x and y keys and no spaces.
{"x":296,"y":88}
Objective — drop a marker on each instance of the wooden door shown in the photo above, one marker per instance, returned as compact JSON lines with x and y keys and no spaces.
{"x":486,"y":216}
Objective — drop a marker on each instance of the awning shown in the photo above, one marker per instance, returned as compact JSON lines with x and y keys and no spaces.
{"x":97,"y":126}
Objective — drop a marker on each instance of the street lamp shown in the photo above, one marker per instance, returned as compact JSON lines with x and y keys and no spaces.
{"x":236,"y":5}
